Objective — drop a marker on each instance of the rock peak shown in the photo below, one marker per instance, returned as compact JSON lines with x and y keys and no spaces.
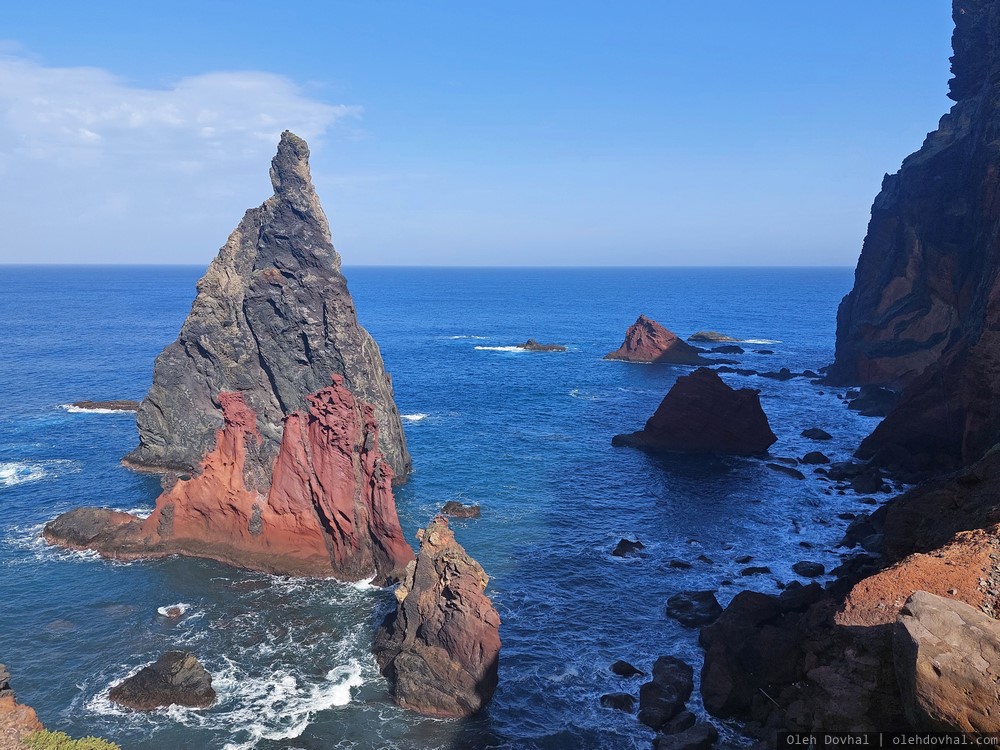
{"x":290,"y":166}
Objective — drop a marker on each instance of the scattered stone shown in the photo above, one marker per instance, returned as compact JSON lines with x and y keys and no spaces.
{"x":662,"y":698}
{"x":627,"y":548}
{"x":624,"y":669}
{"x":706,"y":559}
{"x":619,"y":702}
{"x":781,"y":469}
{"x":456,"y":509}
{"x":783,"y":374}
{"x":763,"y":351}
{"x":815,"y":457}
{"x":679,"y":564}
{"x":692,"y":609}
{"x":808,"y":569}
{"x":743,"y":559}
{"x":533,"y":346}
{"x":815,"y":433}
{"x":755,"y":570}
{"x":176,"y":678}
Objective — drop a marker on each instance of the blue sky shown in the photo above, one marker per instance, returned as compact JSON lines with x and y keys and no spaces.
{"x":467,"y":133}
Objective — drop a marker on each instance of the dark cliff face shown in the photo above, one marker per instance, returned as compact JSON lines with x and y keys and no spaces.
{"x":925,"y":270}
{"x":272,"y":320}
{"x":925,"y":309}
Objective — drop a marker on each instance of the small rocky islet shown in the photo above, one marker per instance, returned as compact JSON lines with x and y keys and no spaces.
{"x":901,"y":636}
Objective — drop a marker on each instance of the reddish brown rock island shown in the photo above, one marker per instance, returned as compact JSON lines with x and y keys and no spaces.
{"x":440,"y":648}
{"x":701,"y":414}
{"x":268,"y":466}
{"x":649,"y":342}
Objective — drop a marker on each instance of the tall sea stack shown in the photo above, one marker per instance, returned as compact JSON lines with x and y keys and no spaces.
{"x":924,"y":313}
{"x":272,"y":320}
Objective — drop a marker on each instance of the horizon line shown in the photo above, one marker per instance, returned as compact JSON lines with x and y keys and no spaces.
{"x":435,"y":266}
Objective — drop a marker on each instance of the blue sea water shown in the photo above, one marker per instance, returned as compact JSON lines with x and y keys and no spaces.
{"x":526,"y":435}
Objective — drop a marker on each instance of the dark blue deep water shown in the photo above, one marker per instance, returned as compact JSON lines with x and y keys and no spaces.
{"x":526,"y":435}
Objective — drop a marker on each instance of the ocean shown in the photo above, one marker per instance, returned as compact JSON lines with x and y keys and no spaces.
{"x":525,"y":435}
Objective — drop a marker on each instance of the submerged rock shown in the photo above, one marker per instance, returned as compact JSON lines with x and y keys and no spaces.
{"x":665,"y":696}
{"x":711,"y":336}
{"x":692,"y":609}
{"x":176,"y":678}
{"x":533,"y":346}
{"x":328,"y":512}
{"x":440,"y":648}
{"x":115,"y":405}
{"x":624,"y":669}
{"x":272,"y":321}
{"x":701,"y":414}
{"x":627,"y":548}
{"x":648,"y":341}
{"x":815,"y":433}
{"x":456,"y":509}
{"x":619,"y":701}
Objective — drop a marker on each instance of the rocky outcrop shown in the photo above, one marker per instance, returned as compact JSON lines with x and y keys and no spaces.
{"x":947,"y":658}
{"x":176,"y":678}
{"x":116,"y":405}
{"x":711,"y":337}
{"x":701,"y":414}
{"x":17,"y":722}
{"x":925,"y":309}
{"x":272,"y":320}
{"x":328,"y":511}
{"x":647,"y":341}
{"x":440,"y":648}
{"x":533,"y":346}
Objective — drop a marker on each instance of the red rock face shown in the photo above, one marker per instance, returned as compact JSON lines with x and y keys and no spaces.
{"x":440,"y":648}
{"x":701,"y":414}
{"x":329,"y":510}
{"x":648,"y":341}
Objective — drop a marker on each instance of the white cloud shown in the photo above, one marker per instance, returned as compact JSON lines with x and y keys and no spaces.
{"x":80,"y":146}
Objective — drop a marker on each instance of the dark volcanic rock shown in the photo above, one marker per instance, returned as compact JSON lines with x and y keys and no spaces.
{"x":788,"y":470}
{"x":624,"y":669}
{"x":272,"y":320}
{"x":693,"y":609}
{"x":533,"y":346}
{"x":755,"y":570}
{"x":873,"y":401}
{"x":808,"y":569}
{"x":701,"y":414}
{"x":700,"y":736}
{"x":648,"y":341}
{"x":711,"y":336}
{"x":619,"y":701}
{"x":783,"y":374}
{"x":663,"y":697}
{"x":815,"y":457}
{"x":328,"y":512}
{"x":728,"y":349}
{"x":815,"y":433}
{"x":626,"y":548}
{"x":925,"y":309}
{"x":116,"y":405}
{"x":440,"y":648}
{"x":456,"y":509}
{"x":176,"y":677}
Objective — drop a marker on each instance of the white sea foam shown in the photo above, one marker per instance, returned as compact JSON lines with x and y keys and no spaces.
{"x":173,"y":610}
{"x":576,"y":393}
{"x":418,"y":417}
{"x":760,"y":341}
{"x":365,"y":585}
{"x":500,"y":349}
{"x":468,"y":337}
{"x":13,"y":473}
{"x":80,"y":410}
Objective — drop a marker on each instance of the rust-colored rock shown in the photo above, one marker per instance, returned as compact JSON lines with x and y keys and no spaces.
{"x":440,"y":648}
{"x":17,"y":722}
{"x":701,"y":414}
{"x":647,"y":341}
{"x":329,"y":510}
{"x":947,"y":657}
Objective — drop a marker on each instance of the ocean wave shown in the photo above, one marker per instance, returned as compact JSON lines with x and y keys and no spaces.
{"x":13,"y":473}
{"x":80,"y":410}
{"x":29,"y":539}
{"x":760,"y":341}
{"x":500,"y":349}
{"x":418,"y":417}
{"x":480,"y":338}
{"x":576,"y":393}
{"x":173,"y":610}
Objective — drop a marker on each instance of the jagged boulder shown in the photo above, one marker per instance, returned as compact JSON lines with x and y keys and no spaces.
{"x":947,"y":657}
{"x":272,"y":320}
{"x":701,"y":414}
{"x":440,"y":648}
{"x":329,"y":510}
{"x":648,"y":341}
{"x":176,"y":678}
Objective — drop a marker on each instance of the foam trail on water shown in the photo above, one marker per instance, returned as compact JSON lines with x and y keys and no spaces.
{"x":80,"y":410}
{"x":500,"y":349}
{"x":13,"y":473}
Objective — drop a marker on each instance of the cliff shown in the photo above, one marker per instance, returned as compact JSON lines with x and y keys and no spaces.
{"x":328,"y":512}
{"x":440,"y":648}
{"x":272,"y":320}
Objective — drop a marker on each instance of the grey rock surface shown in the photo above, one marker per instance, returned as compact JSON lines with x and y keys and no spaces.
{"x":273,"y":319}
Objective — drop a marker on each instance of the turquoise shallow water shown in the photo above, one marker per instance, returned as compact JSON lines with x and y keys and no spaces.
{"x":526,"y":435}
